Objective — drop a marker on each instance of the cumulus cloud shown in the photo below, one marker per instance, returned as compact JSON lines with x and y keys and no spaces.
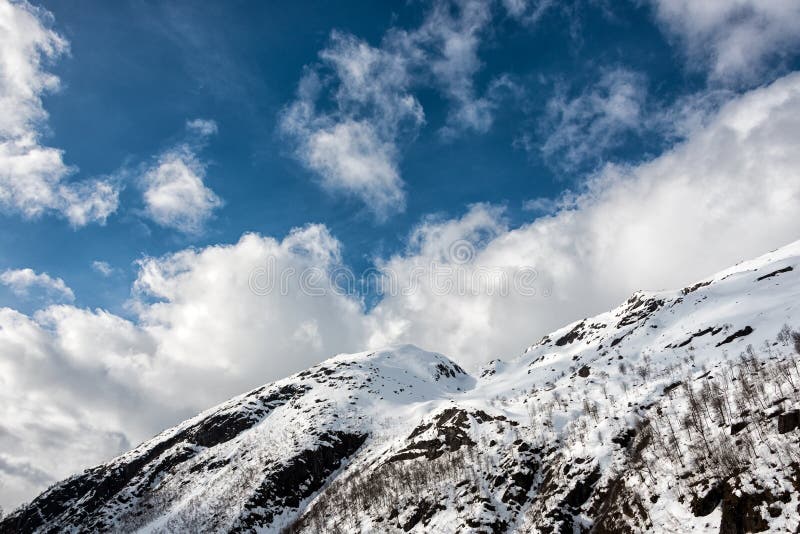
{"x":210,"y":323}
{"x":352,"y":158}
{"x":356,"y":108}
{"x":183,"y":300}
{"x":33,"y":179}
{"x":738,"y":40}
{"x":175,"y":194}
{"x":580,"y":129}
{"x":21,"y":281}
{"x":25,"y":471}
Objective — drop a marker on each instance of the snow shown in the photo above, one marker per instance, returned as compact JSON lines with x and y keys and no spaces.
{"x":561,"y":403}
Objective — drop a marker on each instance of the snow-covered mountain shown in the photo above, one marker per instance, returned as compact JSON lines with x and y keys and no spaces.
{"x":675,"y":412}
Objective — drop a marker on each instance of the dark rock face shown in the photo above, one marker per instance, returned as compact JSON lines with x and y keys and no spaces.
{"x":79,"y":500}
{"x":638,"y":309}
{"x":451,"y":426}
{"x":700,"y":333}
{"x":701,"y":506}
{"x":624,"y":439}
{"x":450,"y":370}
{"x":740,"y":514}
{"x":788,"y":421}
{"x":775,"y":273}
{"x":615,"y":509}
{"x":464,"y":461}
{"x":286,"y":485}
{"x":582,"y":490}
{"x":423,"y":512}
{"x":746,"y":331}
{"x":224,"y":426}
{"x":691,"y":289}
{"x":738,"y":427}
{"x":576,"y":334}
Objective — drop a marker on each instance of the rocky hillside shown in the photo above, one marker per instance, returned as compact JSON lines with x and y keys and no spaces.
{"x":676,"y":412}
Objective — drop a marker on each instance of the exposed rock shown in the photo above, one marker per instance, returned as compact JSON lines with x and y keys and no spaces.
{"x":573,"y":335}
{"x":788,"y":421}
{"x":775,"y":273}
{"x":746,"y":331}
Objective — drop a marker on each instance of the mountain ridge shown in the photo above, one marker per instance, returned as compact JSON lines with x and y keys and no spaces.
{"x":626,"y":421}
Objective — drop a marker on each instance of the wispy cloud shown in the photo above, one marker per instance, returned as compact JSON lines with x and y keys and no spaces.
{"x":22,"y":281}
{"x":528,"y":11}
{"x":24,"y":470}
{"x":353,"y":146}
{"x":446,"y":48}
{"x":33,"y":179}
{"x":541,"y":205}
{"x":203,"y":127}
{"x":579,"y":129}
{"x":356,"y":108}
{"x":103,"y":267}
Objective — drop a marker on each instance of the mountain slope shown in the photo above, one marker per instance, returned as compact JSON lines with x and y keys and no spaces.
{"x":676,"y":411}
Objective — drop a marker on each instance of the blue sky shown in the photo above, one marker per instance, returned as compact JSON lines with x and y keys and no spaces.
{"x":156,"y":158}
{"x":138,"y":71}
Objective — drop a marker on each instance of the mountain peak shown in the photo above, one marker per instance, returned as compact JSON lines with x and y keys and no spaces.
{"x":677,"y":410}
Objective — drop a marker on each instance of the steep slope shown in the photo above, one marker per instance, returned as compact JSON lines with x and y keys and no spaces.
{"x":248,"y":463}
{"x":677,"y":411}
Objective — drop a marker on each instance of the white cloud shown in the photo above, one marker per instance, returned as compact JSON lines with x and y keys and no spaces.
{"x":33,"y":176}
{"x":79,"y":386}
{"x":528,"y":11}
{"x":203,"y":127}
{"x":581,"y":129}
{"x":731,"y":191}
{"x":69,"y":391}
{"x":541,"y":205}
{"x":103,"y":267}
{"x":204,"y":329}
{"x":21,"y":281}
{"x":354,"y":147}
{"x":356,"y":108}
{"x":192,"y":314}
{"x":447,"y":45}
{"x":738,"y":39}
{"x":175,"y":194}
{"x":351,"y":157}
